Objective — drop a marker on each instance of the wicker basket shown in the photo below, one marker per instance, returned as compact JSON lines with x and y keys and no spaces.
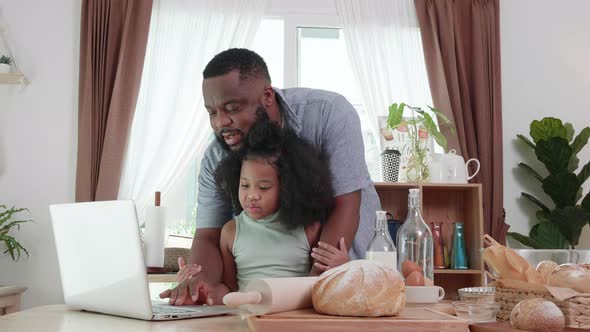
{"x":576,"y":309}
{"x":171,"y":257}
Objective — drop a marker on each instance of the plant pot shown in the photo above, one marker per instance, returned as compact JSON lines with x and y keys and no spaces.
{"x":4,"y":68}
{"x":559,"y":256}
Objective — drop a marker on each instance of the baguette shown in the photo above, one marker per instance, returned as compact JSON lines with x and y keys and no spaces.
{"x":505,"y":263}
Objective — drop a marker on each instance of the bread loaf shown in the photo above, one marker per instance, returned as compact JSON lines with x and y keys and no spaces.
{"x":505,"y":263}
{"x":359,"y":288}
{"x":576,"y":277}
{"x":537,"y":315}
{"x":545,"y":268}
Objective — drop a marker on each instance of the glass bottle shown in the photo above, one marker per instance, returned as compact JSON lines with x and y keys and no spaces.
{"x":414,"y":239}
{"x":437,"y":238}
{"x":459,"y":257}
{"x":381,"y":248}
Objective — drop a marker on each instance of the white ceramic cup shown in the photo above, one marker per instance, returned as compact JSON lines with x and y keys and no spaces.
{"x":424,"y":294}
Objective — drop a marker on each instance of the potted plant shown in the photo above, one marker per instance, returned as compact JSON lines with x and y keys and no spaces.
{"x":8,"y":221}
{"x":10,"y":295}
{"x":5,"y":62}
{"x":420,"y":127}
{"x":560,"y":222}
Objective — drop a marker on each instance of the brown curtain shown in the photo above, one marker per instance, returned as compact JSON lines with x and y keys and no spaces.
{"x":113,"y":39}
{"x":461,"y":41}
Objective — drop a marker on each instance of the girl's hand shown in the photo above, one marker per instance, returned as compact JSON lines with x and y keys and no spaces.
{"x":186,"y":271}
{"x":327,"y":256}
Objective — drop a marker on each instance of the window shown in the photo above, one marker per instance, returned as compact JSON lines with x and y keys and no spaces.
{"x":300,"y":50}
{"x":303,"y":54}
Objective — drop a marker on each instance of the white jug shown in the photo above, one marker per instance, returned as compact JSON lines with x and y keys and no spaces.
{"x":457,"y":168}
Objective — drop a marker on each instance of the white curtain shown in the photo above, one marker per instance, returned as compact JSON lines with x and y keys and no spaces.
{"x":385,"y":49}
{"x":171,"y":127}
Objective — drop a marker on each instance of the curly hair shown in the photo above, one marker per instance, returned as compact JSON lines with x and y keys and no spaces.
{"x":249,"y":64}
{"x":306,"y":193}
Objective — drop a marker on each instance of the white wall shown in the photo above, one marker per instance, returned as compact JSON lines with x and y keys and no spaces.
{"x":545,"y":72}
{"x":38,"y":134}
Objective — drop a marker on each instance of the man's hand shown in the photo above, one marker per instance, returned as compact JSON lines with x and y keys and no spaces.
{"x":327,"y":256}
{"x":195,"y":291}
{"x":186,"y":271}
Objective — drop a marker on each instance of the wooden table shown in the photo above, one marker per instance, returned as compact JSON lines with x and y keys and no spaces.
{"x":59,"y":318}
{"x":10,"y":299}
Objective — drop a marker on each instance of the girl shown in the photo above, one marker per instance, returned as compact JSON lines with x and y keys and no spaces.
{"x":284,"y":195}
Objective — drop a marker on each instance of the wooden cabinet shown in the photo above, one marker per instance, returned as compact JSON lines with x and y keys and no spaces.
{"x":446,"y":203}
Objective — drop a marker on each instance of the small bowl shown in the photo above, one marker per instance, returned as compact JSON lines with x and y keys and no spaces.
{"x":476,"y":312}
{"x":477,"y":294}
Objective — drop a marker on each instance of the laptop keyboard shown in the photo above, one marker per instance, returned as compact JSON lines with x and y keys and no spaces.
{"x":168,"y":309}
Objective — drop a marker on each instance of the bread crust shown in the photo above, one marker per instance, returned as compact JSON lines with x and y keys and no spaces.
{"x":537,"y":315}
{"x":359,"y":288}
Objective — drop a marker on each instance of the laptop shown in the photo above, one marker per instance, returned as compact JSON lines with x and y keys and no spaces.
{"x":102,"y":265}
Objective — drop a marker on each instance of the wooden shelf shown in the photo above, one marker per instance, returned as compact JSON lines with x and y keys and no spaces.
{"x":13,"y":78}
{"x":447,"y":203}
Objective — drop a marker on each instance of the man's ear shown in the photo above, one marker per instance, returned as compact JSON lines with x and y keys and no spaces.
{"x":268,"y":96}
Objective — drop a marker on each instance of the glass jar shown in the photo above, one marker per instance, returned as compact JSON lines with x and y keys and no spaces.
{"x":381,"y":247}
{"x":414,"y":239}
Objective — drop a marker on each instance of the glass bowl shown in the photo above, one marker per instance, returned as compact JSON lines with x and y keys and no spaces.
{"x":477,"y":294}
{"x":476,"y":312}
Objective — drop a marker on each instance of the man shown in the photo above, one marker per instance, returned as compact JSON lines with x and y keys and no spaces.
{"x":236,"y":87}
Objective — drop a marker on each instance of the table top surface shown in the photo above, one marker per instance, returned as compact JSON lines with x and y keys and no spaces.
{"x":60,"y":318}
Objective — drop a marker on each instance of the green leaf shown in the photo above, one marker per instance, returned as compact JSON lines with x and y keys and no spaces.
{"x":581,"y":140}
{"x":569,"y":128}
{"x":439,"y":138}
{"x":527,"y":241}
{"x":572,"y":164}
{"x":555,"y":153}
{"x":586,"y":202}
{"x":443,"y":119}
{"x":542,"y":216}
{"x":432,"y":128}
{"x":562,"y":188}
{"x":570,"y":220}
{"x":546,"y":129}
{"x":579,"y":193}
{"x":396,"y":113}
{"x":548,"y":236}
{"x":536,"y":201}
{"x":584,"y":173}
{"x":531,"y":171}
{"x":526,"y":140}
{"x":8,"y":213}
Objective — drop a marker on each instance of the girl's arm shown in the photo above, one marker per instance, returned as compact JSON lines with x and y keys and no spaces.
{"x":230,"y":271}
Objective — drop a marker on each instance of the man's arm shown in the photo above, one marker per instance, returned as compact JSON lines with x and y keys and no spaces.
{"x":205,"y":252}
{"x":343,"y":221}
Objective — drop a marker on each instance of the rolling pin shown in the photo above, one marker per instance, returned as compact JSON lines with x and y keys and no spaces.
{"x":271,"y":295}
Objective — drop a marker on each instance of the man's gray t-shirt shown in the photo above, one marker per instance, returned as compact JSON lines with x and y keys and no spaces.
{"x":329,"y":122}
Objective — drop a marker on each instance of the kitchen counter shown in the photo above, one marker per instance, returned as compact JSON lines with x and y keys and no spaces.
{"x":59,"y":318}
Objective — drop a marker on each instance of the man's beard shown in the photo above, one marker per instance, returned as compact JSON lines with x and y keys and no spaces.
{"x":261,"y":117}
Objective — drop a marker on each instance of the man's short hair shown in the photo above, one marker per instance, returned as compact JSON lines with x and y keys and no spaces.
{"x":249,"y":64}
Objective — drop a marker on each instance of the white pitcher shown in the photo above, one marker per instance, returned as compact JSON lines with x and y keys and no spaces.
{"x":457,"y":168}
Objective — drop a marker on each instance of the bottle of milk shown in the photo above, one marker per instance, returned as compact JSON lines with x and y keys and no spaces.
{"x":381,"y":248}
